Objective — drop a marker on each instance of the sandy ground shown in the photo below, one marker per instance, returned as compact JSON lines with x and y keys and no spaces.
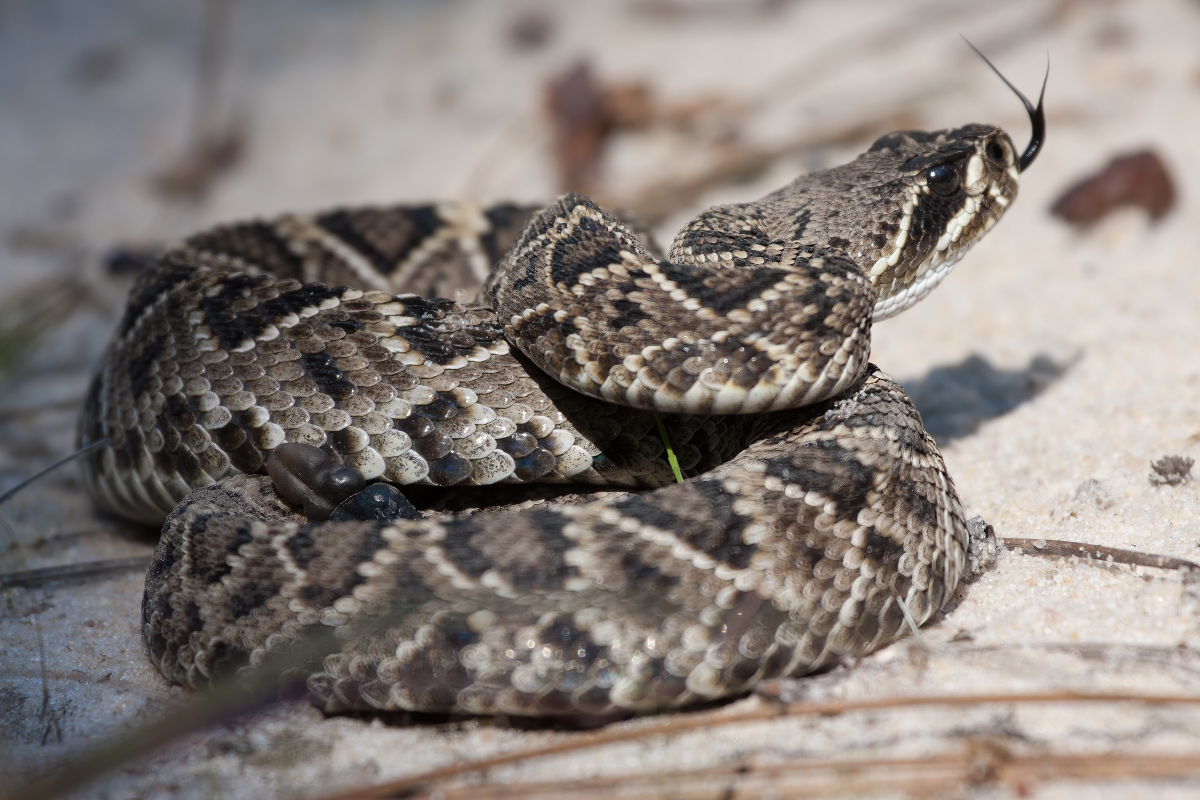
{"x":380,"y":102}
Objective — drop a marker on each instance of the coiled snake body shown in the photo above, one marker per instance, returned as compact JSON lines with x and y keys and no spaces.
{"x":247,"y":404}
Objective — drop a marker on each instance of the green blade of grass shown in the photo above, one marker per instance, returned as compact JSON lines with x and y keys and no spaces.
{"x":674,"y":462}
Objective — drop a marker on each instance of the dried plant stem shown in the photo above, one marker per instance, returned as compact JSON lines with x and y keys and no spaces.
{"x":36,"y":577}
{"x":65,"y":459}
{"x":1056,"y":548}
{"x":845,"y":777}
{"x":686,"y":722}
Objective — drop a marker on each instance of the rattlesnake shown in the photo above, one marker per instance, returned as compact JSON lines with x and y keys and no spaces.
{"x":243,"y":402}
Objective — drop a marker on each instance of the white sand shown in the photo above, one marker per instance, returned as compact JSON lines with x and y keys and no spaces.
{"x":391,"y":102}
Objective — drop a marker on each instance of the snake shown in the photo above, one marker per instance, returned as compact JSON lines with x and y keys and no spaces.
{"x":475,"y":499}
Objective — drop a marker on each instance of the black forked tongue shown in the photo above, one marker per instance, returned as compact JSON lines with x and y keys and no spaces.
{"x":1037,"y":117}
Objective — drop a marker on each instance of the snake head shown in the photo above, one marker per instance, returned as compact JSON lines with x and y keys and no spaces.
{"x":948,"y":188}
{"x":956,"y":184}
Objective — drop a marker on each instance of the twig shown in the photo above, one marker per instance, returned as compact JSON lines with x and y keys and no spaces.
{"x":65,"y":459}
{"x":214,"y":148}
{"x":678,"y":724}
{"x":919,"y":776}
{"x":36,"y":577}
{"x":44,"y":713}
{"x":657,"y":201}
{"x":214,"y":46}
{"x":1058,"y":548}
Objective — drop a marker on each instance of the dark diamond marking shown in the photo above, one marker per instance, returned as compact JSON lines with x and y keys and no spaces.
{"x":715,"y":529}
{"x":256,"y":243}
{"x":323,"y":369}
{"x":721,"y":292}
{"x":829,"y":470}
{"x":404,"y":232}
{"x":171,"y":274}
{"x":628,"y":314}
{"x":249,"y":597}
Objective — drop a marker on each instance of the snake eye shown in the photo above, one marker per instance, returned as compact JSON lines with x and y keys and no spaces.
{"x":994,"y":151}
{"x":942,"y":180}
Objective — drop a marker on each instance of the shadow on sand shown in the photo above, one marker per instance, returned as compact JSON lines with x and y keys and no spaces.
{"x":955,"y":400}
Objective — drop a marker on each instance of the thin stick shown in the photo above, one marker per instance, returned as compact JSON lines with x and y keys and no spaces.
{"x":920,"y":776}
{"x":44,"y":713}
{"x":681,"y":723}
{"x":36,"y":577}
{"x":214,"y":44}
{"x":250,"y":691}
{"x":655,"y":202}
{"x":82,"y":451}
{"x":1059,"y":548}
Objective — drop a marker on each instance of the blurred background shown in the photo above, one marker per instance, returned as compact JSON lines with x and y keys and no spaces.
{"x":125,"y":124}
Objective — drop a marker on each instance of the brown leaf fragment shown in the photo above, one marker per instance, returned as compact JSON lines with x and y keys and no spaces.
{"x":215,"y":148}
{"x":1138,"y":179}
{"x":194,"y":172}
{"x":1171,"y":470}
{"x":584,"y":112}
{"x":576,"y":106}
{"x":628,"y":105}
{"x":576,"y":109}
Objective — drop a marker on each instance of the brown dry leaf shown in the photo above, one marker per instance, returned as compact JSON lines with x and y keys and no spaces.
{"x":586,"y":111}
{"x":1138,"y":179}
{"x":576,"y":107}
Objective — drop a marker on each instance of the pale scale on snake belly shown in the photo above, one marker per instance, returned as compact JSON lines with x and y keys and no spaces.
{"x":243,"y":399}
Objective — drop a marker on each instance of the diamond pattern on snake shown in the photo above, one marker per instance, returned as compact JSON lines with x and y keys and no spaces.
{"x":472,"y":496}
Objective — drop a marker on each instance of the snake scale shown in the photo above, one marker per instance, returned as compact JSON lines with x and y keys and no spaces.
{"x":259,"y":403}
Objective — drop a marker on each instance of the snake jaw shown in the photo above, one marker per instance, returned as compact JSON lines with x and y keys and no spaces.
{"x":893,"y":304}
